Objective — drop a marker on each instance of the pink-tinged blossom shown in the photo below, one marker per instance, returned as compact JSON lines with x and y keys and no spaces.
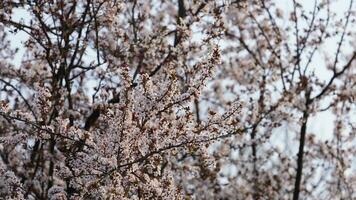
{"x":175,"y":100}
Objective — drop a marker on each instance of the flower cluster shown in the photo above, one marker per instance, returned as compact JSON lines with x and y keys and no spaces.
{"x":175,"y":100}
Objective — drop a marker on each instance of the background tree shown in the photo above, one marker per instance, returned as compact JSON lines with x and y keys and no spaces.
{"x":285,"y":67}
{"x":175,"y":99}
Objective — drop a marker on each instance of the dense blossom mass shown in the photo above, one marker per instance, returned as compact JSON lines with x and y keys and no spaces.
{"x":183,"y":99}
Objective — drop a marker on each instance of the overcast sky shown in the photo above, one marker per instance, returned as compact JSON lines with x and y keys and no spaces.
{"x":321,"y":124}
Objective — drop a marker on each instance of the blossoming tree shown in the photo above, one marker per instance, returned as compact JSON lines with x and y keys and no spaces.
{"x":105,"y":99}
{"x":102,"y":104}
